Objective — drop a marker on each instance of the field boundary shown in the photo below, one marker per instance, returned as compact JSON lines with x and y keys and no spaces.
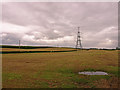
{"x":8,"y":52}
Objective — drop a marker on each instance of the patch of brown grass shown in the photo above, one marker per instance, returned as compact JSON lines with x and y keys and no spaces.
{"x":50,"y":64}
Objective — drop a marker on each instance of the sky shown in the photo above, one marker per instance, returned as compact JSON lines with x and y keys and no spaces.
{"x":56,"y":24}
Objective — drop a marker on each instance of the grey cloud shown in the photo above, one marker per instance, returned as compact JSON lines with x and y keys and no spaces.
{"x":65,"y":18}
{"x":10,"y":38}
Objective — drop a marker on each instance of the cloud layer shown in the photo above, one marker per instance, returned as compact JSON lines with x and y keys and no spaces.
{"x":56,"y":24}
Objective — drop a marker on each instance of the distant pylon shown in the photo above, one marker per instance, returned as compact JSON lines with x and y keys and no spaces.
{"x":19,"y":43}
{"x":78,"y":43}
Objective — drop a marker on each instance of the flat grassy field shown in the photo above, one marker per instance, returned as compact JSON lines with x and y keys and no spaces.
{"x":37,"y":49}
{"x":60,"y":70}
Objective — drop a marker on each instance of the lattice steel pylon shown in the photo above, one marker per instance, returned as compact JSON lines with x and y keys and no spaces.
{"x":78,"y":43}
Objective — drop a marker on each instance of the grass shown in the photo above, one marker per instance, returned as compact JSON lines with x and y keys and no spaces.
{"x":60,"y":70}
{"x":37,"y":49}
{"x":42,"y":84}
{"x":11,"y":76}
{"x":68,"y":86}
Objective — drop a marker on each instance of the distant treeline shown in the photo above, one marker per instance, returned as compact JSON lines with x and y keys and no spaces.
{"x":100,"y":49}
{"x":24,"y":47}
{"x":34,"y":47}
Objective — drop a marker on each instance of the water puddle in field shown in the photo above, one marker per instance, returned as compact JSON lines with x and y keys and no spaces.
{"x":93,"y":73}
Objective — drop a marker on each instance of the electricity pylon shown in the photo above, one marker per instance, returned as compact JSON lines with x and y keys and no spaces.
{"x":78,"y":43}
{"x":19,"y":43}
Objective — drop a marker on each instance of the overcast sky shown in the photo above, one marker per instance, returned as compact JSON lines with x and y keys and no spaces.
{"x":55,"y":24}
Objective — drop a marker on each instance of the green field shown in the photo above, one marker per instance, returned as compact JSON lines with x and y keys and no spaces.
{"x":36,"y":49}
{"x":60,"y":70}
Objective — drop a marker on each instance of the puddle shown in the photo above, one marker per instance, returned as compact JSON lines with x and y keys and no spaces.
{"x":93,"y":73}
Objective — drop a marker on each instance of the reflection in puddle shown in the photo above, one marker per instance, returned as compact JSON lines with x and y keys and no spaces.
{"x":93,"y":73}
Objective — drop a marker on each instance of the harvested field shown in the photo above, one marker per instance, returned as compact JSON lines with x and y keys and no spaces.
{"x":60,"y":70}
